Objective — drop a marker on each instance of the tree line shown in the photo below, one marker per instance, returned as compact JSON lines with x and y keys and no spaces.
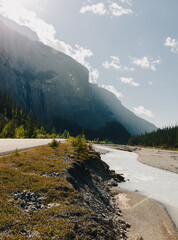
{"x":15,"y":122}
{"x":164,"y":138}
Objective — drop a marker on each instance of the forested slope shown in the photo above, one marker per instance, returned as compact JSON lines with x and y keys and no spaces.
{"x":166,"y":138}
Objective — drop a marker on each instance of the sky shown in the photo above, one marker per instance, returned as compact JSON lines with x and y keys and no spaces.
{"x":130,"y":47}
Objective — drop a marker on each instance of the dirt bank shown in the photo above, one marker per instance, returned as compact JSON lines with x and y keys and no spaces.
{"x":93,"y":179}
{"x":148,"y":218}
{"x":164,"y":159}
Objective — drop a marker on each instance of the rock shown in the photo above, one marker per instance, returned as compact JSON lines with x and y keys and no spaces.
{"x":50,"y":205}
{"x":34,"y":235}
{"x":52,"y":174}
{"x":124,"y":227}
{"x":128,"y":225}
{"x":33,"y":199}
{"x":66,"y":159}
{"x":112,"y":183}
{"x":30,"y":201}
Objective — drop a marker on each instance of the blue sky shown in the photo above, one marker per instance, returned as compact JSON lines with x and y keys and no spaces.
{"x":129,"y":46}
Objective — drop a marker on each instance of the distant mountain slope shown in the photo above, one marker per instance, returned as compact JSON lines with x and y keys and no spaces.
{"x":134,"y":124}
{"x":55,"y":87}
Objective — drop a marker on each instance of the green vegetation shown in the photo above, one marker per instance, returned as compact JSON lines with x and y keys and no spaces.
{"x":162,"y":138}
{"x":66,"y":134}
{"x":16,"y":153}
{"x":54,"y":143}
{"x":16,"y":122}
{"x":32,"y":171}
{"x":79,"y":143}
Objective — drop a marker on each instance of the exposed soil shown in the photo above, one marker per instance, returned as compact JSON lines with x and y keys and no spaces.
{"x":148,"y":218}
{"x":164,"y":159}
{"x":93,"y":179}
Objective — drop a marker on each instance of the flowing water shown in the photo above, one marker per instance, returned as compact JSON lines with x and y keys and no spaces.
{"x":149,"y":181}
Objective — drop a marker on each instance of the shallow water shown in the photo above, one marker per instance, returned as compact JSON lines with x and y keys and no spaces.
{"x":152,"y":182}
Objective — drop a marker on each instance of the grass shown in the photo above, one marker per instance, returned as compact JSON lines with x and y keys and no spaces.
{"x":25,"y":171}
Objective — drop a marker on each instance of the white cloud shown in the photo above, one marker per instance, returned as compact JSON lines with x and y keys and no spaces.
{"x":16,"y":12}
{"x":172,"y":43}
{"x":118,"y":10}
{"x":109,"y":8}
{"x":98,"y":9}
{"x":143,"y":111}
{"x":129,"y":81}
{"x":113,"y":90}
{"x":80,"y":54}
{"x":46,"y":33}
{"x":115,"y":63}
{"x":146,"y":62}
{"x":131,"y":69}
{"x":93,"y":75}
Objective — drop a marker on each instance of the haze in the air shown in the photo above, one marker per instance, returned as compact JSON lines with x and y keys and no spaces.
{"x":129,"y":46}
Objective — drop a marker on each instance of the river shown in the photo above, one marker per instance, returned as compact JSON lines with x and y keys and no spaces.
{"x":149,"y":181}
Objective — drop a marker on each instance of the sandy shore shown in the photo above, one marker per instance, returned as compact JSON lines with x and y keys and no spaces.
{"x":164,"y":159}
{"x":148,"y":218}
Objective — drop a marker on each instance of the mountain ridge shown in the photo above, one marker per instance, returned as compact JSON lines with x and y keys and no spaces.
{"x":55,"y":87}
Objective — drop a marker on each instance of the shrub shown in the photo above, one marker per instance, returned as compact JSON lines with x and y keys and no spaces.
{"x":66,"y":134}
{"x":40,"y":136}
{"x":20,"y":132}
{"x":16,"y":153}
{"x":79,"y":143}
{"x":54,"y":143}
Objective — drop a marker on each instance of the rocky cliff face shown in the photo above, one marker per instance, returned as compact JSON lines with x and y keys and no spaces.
{"x":55,"y":88}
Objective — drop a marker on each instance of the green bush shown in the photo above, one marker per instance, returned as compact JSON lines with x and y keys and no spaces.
{"x":20,"y":132}
{"x":66,"y":134}
{"x":79,"y":143}
{"x":54,"y":143}
{"x":16,"y":153}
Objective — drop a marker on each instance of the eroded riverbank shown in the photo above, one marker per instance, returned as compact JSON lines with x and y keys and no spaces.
{"x":55,"y":193}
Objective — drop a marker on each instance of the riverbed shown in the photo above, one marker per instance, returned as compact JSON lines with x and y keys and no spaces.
{"x":149,"y":181}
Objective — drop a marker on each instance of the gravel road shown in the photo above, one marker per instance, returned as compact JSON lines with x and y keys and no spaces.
{"x":8,"y":146}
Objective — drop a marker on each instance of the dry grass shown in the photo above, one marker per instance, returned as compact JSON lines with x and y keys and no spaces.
{"x":25,"y":171}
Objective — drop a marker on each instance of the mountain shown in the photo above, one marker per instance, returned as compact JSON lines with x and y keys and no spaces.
{"x":55,"y":88}
{"x":20,"y":29}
